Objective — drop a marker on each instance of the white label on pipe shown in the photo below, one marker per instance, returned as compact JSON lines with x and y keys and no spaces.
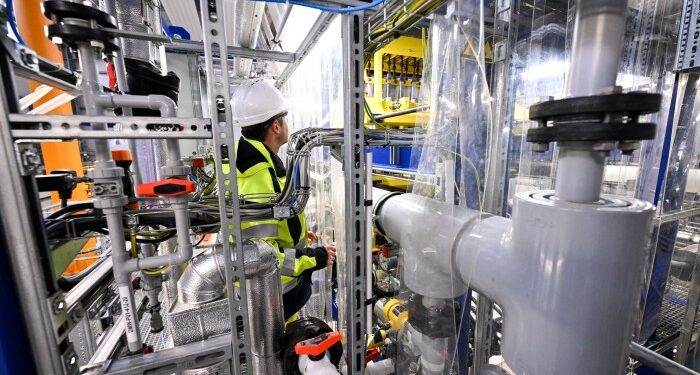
{"x":131,"y":333}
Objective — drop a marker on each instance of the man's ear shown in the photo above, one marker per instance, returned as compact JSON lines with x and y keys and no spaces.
{"x":276,"y":127}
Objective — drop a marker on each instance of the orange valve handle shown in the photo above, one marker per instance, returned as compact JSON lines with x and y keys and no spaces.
{"x":318,"y":345}
{"x":171,"y":187}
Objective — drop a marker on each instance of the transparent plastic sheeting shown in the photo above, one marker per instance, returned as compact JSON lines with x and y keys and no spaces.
{"x":315,"y":91}
{"x":679,"y":192}
{"x":541,"y":62}
{"x":451,"y":169}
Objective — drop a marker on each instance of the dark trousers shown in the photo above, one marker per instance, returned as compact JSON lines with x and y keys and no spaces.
{"x":296,"y":298}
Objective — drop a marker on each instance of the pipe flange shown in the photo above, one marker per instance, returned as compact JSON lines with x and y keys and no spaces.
{"x":596,"y":118}
{"x":57,"y":10}
{"x":106,"y":173}
{"x":74,"y":34}
{"x":175,"y":171}
{"x":112,"y":202}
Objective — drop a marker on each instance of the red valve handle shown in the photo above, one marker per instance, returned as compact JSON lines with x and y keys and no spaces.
{"x":171,"y":187}
{"x":317,"y":345}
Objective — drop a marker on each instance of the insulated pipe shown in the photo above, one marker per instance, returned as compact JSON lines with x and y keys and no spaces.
{"x":599,"y":32}
{"x":107,"y":171}
{"x":203,"y":281}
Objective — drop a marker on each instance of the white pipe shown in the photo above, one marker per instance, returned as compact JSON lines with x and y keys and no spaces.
{"x":568,"y":276}
{"x":599,"y":32}
{"x":182,"y":225}
{"x":383,"y":367}
{"x":105,"y":170}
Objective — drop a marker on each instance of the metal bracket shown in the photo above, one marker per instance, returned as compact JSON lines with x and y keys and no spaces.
{"x":77,"y":127}
{"x":62,"y":324}
{"x":687,"y":56}
{"x":281,"y":212}
{"x":28,"y":158}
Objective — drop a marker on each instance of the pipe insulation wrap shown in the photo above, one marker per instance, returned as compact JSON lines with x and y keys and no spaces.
{"x":204,"y":281}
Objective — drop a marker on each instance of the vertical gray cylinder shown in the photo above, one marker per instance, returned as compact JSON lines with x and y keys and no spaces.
{"x":580,"y":277}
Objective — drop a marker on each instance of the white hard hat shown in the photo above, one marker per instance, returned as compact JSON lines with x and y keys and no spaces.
{"x":255,"y":102}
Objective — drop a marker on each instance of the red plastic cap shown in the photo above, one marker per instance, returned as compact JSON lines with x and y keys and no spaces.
{"x":171,"y":187}
{"x":317,"y":345}
{"x":197,"y":162}
{"x":121,"y":155}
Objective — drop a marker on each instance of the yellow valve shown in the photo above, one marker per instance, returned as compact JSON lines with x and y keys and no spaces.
{"x":395,"y":313}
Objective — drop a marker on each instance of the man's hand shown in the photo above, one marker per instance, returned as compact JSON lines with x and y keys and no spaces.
{"x":310,"y":237}
{"x":330,"y":250}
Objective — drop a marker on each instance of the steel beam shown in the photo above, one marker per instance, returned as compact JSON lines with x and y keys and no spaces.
{"x":354,"y":169}
{"x":69,"y":127}
{"x":214,"y":31}
{"x":18,"y":226}
{"x":317,"y":29}
{"x":175,"y":360}
{"x":194,"y":46}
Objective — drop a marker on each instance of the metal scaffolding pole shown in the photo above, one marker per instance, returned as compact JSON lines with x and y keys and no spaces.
{"x":214,"y":31}
{"x":354,"y":166}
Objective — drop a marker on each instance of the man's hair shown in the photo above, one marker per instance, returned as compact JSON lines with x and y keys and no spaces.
{"x":257,"y":132}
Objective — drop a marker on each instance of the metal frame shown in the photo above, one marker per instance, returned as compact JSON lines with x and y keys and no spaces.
{"x":194,"y":355}
{"x":214,"y":32}
{"x":193,"y":46}
{"x":64,"y":127}
{"x":354,"y":168}
{"x":18,"y":222}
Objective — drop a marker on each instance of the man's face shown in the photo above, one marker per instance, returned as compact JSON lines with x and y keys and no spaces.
{"x":284,"y":130}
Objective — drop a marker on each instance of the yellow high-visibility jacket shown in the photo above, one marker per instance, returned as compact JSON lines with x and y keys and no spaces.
{"x":260,"y":171}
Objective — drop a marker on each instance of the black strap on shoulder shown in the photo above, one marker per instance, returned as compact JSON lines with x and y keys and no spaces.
{"x":275,"y":181}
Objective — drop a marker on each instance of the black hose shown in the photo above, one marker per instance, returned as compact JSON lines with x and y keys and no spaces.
{"x":71,"y":208}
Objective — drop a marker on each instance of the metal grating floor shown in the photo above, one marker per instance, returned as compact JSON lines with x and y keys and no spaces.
{"x":673,"y":308}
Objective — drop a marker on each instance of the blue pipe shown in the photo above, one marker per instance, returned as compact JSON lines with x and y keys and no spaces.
{"x":13,"y":22}
{"x":326,"y":8}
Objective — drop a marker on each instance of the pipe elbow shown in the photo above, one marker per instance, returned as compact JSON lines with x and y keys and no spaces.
{"x":163,"y":104}
{"x":204,"y":278}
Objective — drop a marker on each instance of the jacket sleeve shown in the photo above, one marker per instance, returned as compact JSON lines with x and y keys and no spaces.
{"x":310,"y":258}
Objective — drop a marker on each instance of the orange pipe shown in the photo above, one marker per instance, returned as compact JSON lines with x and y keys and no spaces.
{"x":57,"y":155}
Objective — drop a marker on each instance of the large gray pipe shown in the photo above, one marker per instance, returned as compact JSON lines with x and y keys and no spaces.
{"x":599,"y":32}
{"x":204,"y":281}
{"x":567,"y":275}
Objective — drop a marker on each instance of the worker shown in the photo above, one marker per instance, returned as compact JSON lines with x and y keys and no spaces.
{"x":260,"y":110}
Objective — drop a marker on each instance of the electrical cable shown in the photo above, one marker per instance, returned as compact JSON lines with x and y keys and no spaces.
{"x":326,"y":8}
{"x":13,"y":22}
{"x":72,"y":208}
